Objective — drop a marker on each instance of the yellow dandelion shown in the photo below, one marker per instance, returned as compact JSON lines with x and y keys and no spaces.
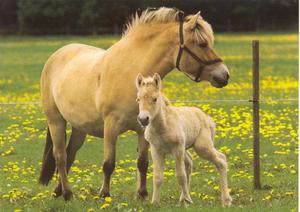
{"x":268,"y":197}
{"x":216,"y":188}
{"x":108,"y":199}
{"x":5,"y":196}
{"x":105,"y":205}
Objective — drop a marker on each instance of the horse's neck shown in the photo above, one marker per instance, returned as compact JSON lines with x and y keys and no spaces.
{"x":150,"y":53}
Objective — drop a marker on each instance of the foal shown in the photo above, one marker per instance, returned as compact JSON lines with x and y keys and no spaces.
{"x":171,"y":129}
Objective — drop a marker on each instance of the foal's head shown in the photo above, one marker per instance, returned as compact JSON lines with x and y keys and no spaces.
{"x":149,"y":97}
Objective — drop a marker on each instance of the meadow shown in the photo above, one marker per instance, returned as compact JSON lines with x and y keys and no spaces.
{"x":23,"y":131}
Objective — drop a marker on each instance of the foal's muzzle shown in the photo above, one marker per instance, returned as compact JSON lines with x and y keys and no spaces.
{"x":143,"y":119}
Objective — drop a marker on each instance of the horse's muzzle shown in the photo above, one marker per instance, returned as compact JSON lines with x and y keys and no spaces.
{"x":221,"y":82}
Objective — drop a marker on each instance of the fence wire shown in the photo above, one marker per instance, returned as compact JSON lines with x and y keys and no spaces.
{"x":177,"y":101}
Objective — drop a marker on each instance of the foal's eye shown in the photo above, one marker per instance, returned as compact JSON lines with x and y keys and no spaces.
{"x":203,"y":45}
{"x":155,"y":100}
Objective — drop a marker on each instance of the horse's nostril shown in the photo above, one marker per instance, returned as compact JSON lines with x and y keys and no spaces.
{"x":227,"y":76}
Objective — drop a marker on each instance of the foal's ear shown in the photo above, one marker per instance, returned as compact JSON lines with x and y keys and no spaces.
{"x":157,"y":80}
{"x":139,"y":80}
{"x":193,"y":22}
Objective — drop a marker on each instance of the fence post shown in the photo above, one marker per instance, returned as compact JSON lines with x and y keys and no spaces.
{"x":255,"y":75}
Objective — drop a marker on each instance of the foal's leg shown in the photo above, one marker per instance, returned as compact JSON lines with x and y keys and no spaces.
{"x":142,"y":164}
{"x":158,"y":173}
{"x":57,"y":129}
{"x":179,"y":154}
{"x":188,"y":162}
{"x":111,"y":132}
{"x":205,"y":149}
{"x":76,"y":140}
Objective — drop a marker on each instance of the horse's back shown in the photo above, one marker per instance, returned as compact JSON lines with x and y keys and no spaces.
{"x":66,"y":54}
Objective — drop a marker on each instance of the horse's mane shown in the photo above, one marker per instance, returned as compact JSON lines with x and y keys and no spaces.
{"x":203,"y":33}
{"x":161,"y":15}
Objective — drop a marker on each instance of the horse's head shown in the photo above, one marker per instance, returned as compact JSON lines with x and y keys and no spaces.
{"x":149,"y":98}
{"x":196,"y":56}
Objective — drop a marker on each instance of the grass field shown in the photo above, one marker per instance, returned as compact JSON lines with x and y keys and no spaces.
{"x":22,"y":133}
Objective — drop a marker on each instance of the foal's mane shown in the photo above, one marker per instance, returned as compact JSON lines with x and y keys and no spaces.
{"x":165,"y":99}
{"x":203,"y":33}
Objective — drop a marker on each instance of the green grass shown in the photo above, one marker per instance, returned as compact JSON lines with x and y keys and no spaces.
{"x":22,"y":132}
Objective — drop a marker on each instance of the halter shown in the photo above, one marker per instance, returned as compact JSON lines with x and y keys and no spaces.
{"x":182,"y":48}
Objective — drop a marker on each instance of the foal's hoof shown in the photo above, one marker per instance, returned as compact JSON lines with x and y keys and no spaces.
{"x":67,"y":194}
{"x":186,"y":199}
{"x":142,"y":194}
{"x":58,"y":191}
{"x":226,"y":202}
{"x":155,"y":202}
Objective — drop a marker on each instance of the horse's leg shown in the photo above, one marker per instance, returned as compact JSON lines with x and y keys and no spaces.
{"x":188,"y":162}
{"x":158,"y":173}
{"x":179,"y":155}
{"x":76,"y":140}
{"x":111,"y":132}
{"x":142,"y":164}
{"x":57,"y":129}
{"x":205,"y":149}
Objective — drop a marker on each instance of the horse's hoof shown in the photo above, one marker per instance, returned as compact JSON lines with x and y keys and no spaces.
{"x":142,"y":194}
{"x":58,"y":191}
{"x":67,"y":194}
{"x":104,"y":193}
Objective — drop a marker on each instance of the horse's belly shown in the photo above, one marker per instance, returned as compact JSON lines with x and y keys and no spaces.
{"x":83,"y":119}
{"x":91,"y":128}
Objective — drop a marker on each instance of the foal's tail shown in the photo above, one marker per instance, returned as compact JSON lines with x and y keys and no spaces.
{"x":48,"y":165}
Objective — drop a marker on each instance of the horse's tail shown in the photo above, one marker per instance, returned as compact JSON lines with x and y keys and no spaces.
{"x":48,"y":165}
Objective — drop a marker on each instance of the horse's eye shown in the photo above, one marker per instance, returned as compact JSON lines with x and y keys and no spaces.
{"x":137,"y":100}
{"x":155,"y":100}
{"x":203,"y":45}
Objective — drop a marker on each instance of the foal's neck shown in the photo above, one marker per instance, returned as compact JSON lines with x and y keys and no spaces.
{"x":160,"y":120}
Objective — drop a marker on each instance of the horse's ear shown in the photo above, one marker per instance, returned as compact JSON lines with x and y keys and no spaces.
{"x":139,"y":80}
{"x":157,"y":80}
{"x":193,"y":22}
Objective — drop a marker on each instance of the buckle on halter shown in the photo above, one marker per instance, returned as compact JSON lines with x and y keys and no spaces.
{"x":182,"y":46}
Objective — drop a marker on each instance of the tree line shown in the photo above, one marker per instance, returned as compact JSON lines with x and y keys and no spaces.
{"x":109,"y":16}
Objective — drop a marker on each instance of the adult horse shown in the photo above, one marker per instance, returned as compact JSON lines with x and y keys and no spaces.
{"x":94,"y":90}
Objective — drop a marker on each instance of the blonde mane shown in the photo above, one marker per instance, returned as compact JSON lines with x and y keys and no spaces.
{"x":203,"y":33}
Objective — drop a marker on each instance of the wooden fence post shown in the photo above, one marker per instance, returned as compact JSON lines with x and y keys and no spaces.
{"x":255,"y":100}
